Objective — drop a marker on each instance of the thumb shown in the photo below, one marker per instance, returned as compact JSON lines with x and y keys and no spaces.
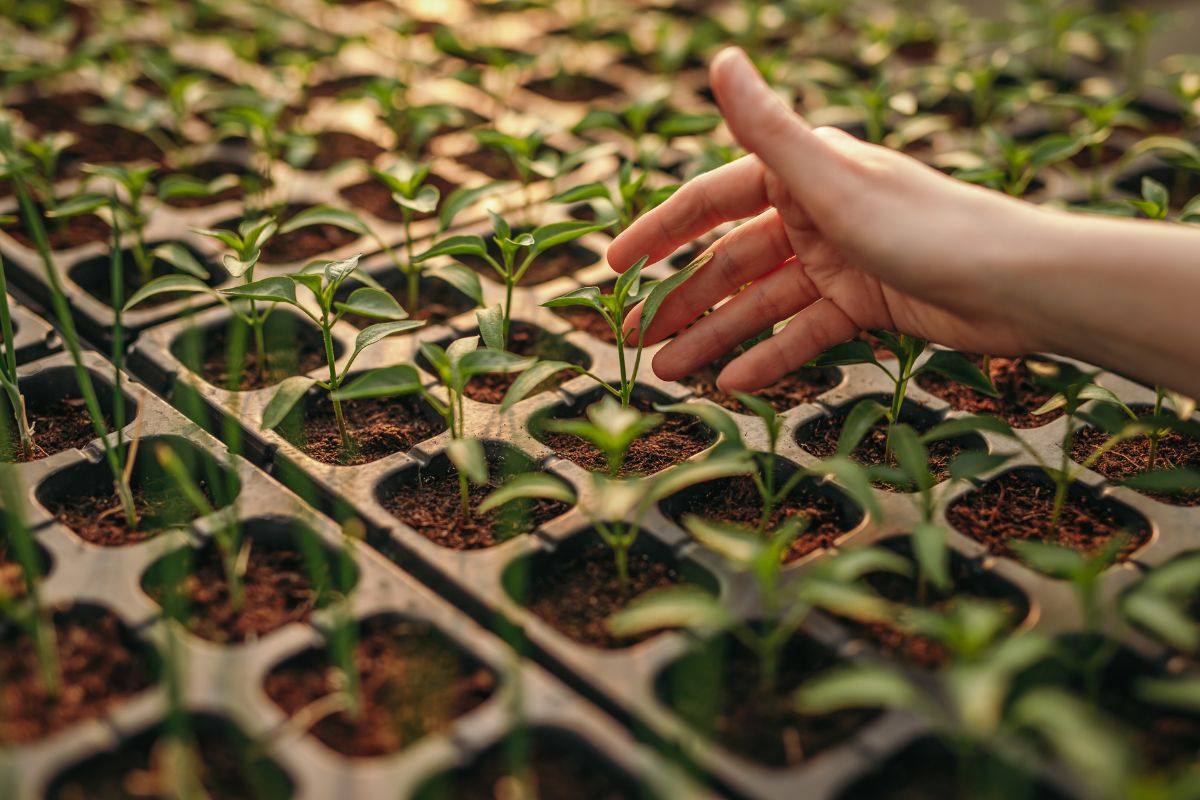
{"x":766,"y":127}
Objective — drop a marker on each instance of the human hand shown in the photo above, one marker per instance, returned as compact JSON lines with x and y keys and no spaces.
{"x":848,"y":237}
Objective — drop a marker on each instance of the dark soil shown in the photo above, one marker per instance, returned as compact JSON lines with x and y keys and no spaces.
{"x":716,"y":691}
{"x":1131,"y":457}
{"x":210,"y":171}
{"x":413,"y":683}
{"x":801,"y":386}
{"x":230,"y":767}
{"x":299,"y":245}
{"x":439,"y":302}
{"x":334,"y":147}
{"x":575,"y":594}
{"x":293,"y":348}
{"x":275,"y":592}
{"x":553,"y":763}
{"x":94,"y":514}
{"x":493,"y":163}
{"x":376,"y":199}
{"x":1018,"y":504}
{"x":571,"y":88}
{"x":61,"y":234}
{"x":737,"y":500}
{"x":432,"y":506}
{"x":337,"y":86}
{"x":1020,"y":395}
{"x":58,"y":112}
{"x":677,"y":438}
{"x":102,"y":143}
{"x":57,"y":426}
{"x":526,"y":340}
{"x":378,"y":427}
{"x":93,"y":276}
{"x":820,"y":437}
{"x":562,"y":260}
{"x":100,"y":664}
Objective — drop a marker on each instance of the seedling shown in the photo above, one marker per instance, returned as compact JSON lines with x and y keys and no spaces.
{"x":322,"y":280}
{"x":1014,"y":166}
{"x":629,"y":291}
{"x":454,"y":367}
{"x":39,"y":165}
{"x":648,"y":125}
{"x":1098,"y":119}
{"x":833,"y":584}
{"x":907,"y":349}
{"x":631,"y":199}
{"x":517,"y":254}
{"x":8,"y":374}
{"x":246,"y":113}
{"x":611,"y":428}
{"x":1161,"y":603}
{"x":413,"y":125}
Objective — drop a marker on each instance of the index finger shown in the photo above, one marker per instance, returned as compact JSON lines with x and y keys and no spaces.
{"x":730,"y":192}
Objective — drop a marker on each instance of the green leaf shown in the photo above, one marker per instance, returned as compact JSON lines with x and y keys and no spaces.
{"x":78,"y":206}
{"x":760,"y":408}
{"x":932,"y":554}
{"x":467,"y":244}
{"x":338,"y":271}
{"x":461,"y":199}
{"x":1163,"y":618}
{"x":534,"y":377}
{"x":854,"y":479}
{"x":732,"y":542}
{"x":663,"y":289}
{"x":690,"y":473}
{"x":237,"y":267}
{"x":858,"y":422}
{"x":1172,"y":481}
{"x":1154,"y":192}
{"x":373,"y":303}
{"x":585,"y":297}
{"x":1054,"y":560}
{"x":491,"y":326}
{"x":629,"y":281}
{"x":961,"y":426}
{"x":1082,"y":736}
{"x":557,"y":233}
{"x":911,"y":456}
{"x":971,"y":464}
{"x":424,"y":203}
{"x":396,"y":381}
{"x":675,"y":607}
{"x":269,"y":290}
{"x":469,"y":459}
{"x":290,"y":392}
{"x":682,"y":124}
{"x":866,"y":686}
{"x":712,"y":416}
{"x":462,"y":278}
{"x":325,"y":215}
{"x":169,"y":284}
{"x":586,"y":191}
{"x":1054,"y":148}
{"x":1182,"y":692}
{"x":957,"y":367}
{"x":855,"y":351}
{"x":487,"y":360}
{"x":530,"y":486}
{"x":379,"y":331}
{"x":180,"y":258}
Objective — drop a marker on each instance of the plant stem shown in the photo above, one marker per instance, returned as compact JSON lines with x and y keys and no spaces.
{"x":15,"y":398}
{"x":509,"y":283}
{"x":1159,"y":394}
{"x":621,"y":560}
{"x":1061,"y":482}
{"x":414,"y":275}
{"x":343,"y":431}
{"x":894,"y":413}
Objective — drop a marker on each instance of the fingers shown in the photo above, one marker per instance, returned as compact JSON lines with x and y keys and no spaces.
{"x":766,"y":127}
{"x":730,"y":192}
{"x":776,"y":296}
{"x":813,"y":331}
{"x":739,"y":257}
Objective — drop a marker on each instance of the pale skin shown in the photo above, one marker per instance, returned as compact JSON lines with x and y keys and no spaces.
{"x":847,"y":236}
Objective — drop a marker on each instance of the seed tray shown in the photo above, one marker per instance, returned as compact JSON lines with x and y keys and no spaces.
{"x":33,"y":337}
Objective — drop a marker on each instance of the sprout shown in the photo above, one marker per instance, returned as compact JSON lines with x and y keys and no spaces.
{"x":1014,"y":166}
{"x":649,"y":125}
{"x":631,"y":199}
{"x":1161,"y":603}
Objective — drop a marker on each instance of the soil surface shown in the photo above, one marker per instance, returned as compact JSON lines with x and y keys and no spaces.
{"x":1020,"y":395}
{"x":96,"y":143}
{"x":575,"y":594}
{"x":554,"y":263}
{"x":378,"y":427}
{"x":737,"y":500}
{"x":1017,"y":505}
{"x":376,"y":199}
{"x":677,"y":438}
{"x":100,"y":664}
{"x":94,"y":514}
{"x":412,"y":681}
{"x":588,"y":321}
{"x":432,"y":506}
{"x":439,"y":301}
{"x":334,"y":147}
{"x":1132,"y":457}
{"x":801,"y":386}
{"x":526,"y":340}
{"x":571,"y":88}
{"x":716,"y":690}
{"x":275,"y":592}
{"x":493,"y":163}
{"x":554,"y":765}
{"x":293,"y":348}
{"x":57,"y":426}
{"x":820,"y":437}
{"x":63,"y":234}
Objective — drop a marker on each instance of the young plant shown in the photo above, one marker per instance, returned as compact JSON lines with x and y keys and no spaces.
{"x":1161,"y":603}
{"x":517,"y":254}
{"x":413,"y":125}
{"x":628,"y":292}
{"x":323,"y":280}
{"x":1013,"y":166}
{"x":8,"y":377}
{"x":631,"y":199}
{"x":783,"y":606}
{"x":39,"y":162}
{"x":649,"y":125}
{"x":454,"y":367}
{"x":907,"y":349}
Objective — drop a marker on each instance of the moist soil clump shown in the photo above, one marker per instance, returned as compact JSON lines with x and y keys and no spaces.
{"x":96,"y":517}
{"x":63,"y":234}
{"x":576,"y":594}
{"x":677,"y":438}
{"x":275,"y":592}
{"x":376,"y":199}
{"x":1131,"y":457}
{"x":288,"y":354}
{"x":378,"y":427}
{"x":439,"y":302}
{"x":1020,"y":395}
{"x":717,"y":690}
{"x":100,"y":664}
{"x":57,"y":426}
{"x":526,"y":340}
{"x":334,"y":147}
{"x":412,"y":683}
{"x":796,"y":388}
{"x":432,"y":506}
{"x":737,"y":500}
{"x":1017,"y":505}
